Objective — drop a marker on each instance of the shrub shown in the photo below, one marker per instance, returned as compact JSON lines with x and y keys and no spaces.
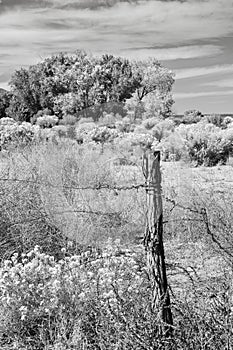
{"x":192,"y":116}
{"x":13,"y":134}
{"x":150,"y":123}
{"x":215,"y":119}
{"x":47,"y":121}
{"x":125,"y":125}
{"x":43,"y":301}
{"x":162,"y":129}
{"x":68,"y":120}
{"x":227,"y":121}
{"x":101,"y":299}
{"x":107,"y":120}
{"x":207,"y":144}
{"x":172,"y":147}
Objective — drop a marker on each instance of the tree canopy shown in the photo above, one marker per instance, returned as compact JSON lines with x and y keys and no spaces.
{"x":73,"y":83}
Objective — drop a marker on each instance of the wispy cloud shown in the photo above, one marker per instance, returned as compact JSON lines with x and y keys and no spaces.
{"x":183,"y":95}
{"x":223,"y":83}
{"x":174,"y":53}
{"x":167,"y":30}
{"x":202,"y":71}
{"x":127,"y":25}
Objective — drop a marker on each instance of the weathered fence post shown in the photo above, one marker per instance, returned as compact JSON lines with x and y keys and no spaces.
{"x":153,"y":240}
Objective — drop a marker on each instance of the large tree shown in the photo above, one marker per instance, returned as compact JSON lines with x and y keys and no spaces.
{"x":83,"y":84}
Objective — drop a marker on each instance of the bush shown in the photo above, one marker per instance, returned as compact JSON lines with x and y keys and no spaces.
{"x":82,"y":131}
{"x":215,"y":119}
{"x":108,"y":120}
{"x":207,"y":144}
{"x":68,"y":120}
{"x":172,"y":147}
{"x":89,"y":295}
{"x":162,"y":129}
{"x":101,"y":299}
{"x":150,"y":123}
{"x":125,"y":125}
{"x":13,"y":134}
{"x":192,"y":116}
{"x":47,"y":121}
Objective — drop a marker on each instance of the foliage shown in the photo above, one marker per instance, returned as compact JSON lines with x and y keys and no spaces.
{"x":18,"y":110}
{"x":101,"y":298}
{"x":14,"y":134}
{"x":215,"y":119}
{"x":109,"y":120}
{"x":67,"y":84}
{"x":192,"y":116}
{"x":153,"y":92}
{"x":149,"y":123}
{"x":68,"y":120}
{"x":227,"y":121}
{"x":68,"y":103}
{"x":5,"y":98}
{"x":89,"y":292}
{"x":47,"y":121}
{"x":172,"y":147}
{"x":83,"y":85}
{"x":207,"y":144}
{"x":125,"y":125}
{"x":162,"y":129}
{"x":102,"y":134}
{"x":83,"y":130}
{"x":152,"y":76}
{"x":157,"y":105}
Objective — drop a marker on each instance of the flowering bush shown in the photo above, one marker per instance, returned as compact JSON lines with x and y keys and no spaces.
{"x":83,"y":130}
{"x":206,"y":143}
{"x":38,"y":292}
{"x":47,"y":121}
{"x":172,"y":147}
{"x":102,"y":134}
{"x":13,"y":133}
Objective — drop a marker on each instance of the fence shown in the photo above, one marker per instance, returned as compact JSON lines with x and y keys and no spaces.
{"x":82,"y":218}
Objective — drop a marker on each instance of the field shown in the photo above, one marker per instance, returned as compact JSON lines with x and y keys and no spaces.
{"x":65,"y":198}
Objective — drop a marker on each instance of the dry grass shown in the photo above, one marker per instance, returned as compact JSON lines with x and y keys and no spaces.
{"x":47,"y":208}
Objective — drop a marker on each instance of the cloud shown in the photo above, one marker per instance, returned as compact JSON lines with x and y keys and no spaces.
{"x":77,"y":4}
{"x":168,"y":30}
{"x":149,"y":23}
{"x":184,"y":95}
{"x":223,"y":83}
{"x":202,"y":71}
{"x":174,"y":53}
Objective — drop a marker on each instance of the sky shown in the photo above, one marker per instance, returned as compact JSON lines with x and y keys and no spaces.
{"x":194,"y":38}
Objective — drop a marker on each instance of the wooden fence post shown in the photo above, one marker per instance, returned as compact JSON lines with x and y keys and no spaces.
{"x":153,"y":240}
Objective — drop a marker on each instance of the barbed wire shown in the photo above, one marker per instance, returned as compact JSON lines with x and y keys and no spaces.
{"x":110,"y":187}
{"x":98,"y":186}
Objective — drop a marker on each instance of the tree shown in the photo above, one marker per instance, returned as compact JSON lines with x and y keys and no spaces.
{"x":5,"y":98}
{"x":18,"y":110}
{"x":153,"y":91}
{"x":85,"y":85}
{"x":151,"y":77}
{"x":89,"y":81}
